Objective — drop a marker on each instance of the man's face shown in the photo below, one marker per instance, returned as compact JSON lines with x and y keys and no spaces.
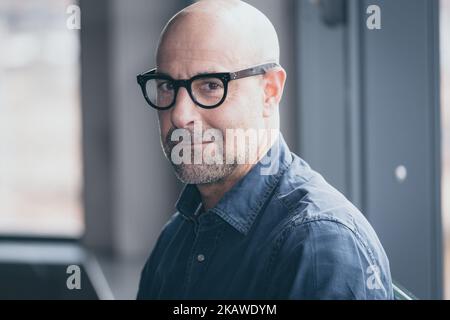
{"x":185,"y":54}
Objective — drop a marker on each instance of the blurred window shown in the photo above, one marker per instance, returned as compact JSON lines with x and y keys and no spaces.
{"x":40,"y":129}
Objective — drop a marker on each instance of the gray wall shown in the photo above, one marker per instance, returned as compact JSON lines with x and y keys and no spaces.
{"x":401,"y":85}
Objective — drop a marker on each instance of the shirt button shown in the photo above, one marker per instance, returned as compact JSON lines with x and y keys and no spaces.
{"x":200,"y":258}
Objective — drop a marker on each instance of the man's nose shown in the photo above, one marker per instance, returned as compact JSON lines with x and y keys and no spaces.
{"x":185,"y":112}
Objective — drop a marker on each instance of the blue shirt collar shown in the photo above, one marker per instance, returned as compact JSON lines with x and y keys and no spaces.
{"x":240,"y":206}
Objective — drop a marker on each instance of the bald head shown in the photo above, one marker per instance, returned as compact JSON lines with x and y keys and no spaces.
{"x":230,"y":30}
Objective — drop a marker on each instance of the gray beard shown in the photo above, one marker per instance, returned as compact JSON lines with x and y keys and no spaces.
{"x":203,"y":173}
{"x":198,"y":173}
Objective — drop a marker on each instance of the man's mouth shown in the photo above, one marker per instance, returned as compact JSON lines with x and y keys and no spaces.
{"x":191,"y":143}
{"x":194,"y":144}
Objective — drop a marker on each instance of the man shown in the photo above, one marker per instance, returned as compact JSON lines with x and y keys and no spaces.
{"x":271,"y":228}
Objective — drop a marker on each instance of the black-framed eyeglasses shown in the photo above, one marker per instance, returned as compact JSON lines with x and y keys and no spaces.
{"x":208,"y":90}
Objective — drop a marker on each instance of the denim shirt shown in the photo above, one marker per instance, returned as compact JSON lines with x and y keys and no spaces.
{"x":282,"y":233}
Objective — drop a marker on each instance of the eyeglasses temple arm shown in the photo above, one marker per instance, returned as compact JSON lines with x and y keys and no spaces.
{"x":253,"y":71}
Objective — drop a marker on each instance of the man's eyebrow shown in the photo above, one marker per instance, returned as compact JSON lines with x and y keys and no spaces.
{"x":206,"y":72}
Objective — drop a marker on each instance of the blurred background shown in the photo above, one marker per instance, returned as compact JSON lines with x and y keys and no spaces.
{"x":83,"y":180}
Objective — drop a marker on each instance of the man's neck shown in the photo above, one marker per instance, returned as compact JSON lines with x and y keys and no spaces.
{"x":211,"y":193}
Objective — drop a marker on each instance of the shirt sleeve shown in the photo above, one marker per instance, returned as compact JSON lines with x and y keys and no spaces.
{"x":147,"y":281}
{"x":325,"y":259}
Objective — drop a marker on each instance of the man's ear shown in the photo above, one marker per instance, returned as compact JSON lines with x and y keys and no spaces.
{"x":273,"y":82}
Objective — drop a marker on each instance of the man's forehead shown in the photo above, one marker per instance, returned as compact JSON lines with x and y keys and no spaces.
{"x":187,"y":63}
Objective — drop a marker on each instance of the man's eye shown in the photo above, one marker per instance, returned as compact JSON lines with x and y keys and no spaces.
{"x":165,"y":86}
{"x":211,"y":86}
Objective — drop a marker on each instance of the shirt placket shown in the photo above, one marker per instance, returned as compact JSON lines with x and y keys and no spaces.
{"x":207,"y":235}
